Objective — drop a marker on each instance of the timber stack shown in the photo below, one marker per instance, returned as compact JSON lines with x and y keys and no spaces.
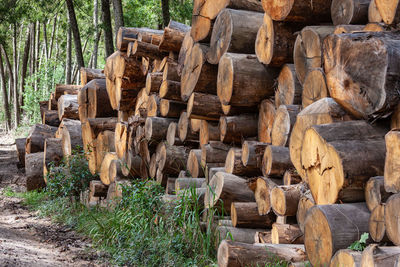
{"x":284,"y":117}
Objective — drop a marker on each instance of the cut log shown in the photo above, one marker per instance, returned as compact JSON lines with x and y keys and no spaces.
{"x":289,"y":89}
{"x":325,"y":110}
{"x":276,"y":160}
{"x":97,"y":189}
{"x":204,"y":107}
{"x":68,"y":107}
{"x":241,"y":254}
{"x":275,"y":41}
{"x":156,"y":128}
{"x":330,"y":158}
{"x":346,"y":257}
{"x":377,"y":227}
{"x":285,"y":119}
{"x":187,"y":45}
{"x":143,"y":49}
{"x":213,"y":154}
{"x":306,"y":202}
{"x":193,"y":164}
{"x":36,"y":137}
{"x":153,"y":82}
{"x":291,"y":177}
{"x":170,"y":72}
{"x":314,"y":87}
{"x":234,"y":129}
{"x":105,"y":166}
{"x":43,"y":105}
{"x":298,"y":11}
{"x":188,"y":183}
{"x":266,"y":118}
{"x":171,"y":109}
{"x":88,"y":74}
{"x":245,"y":215}
{"x":153,"y":106}
{"x":373,"y":13}
{"x":262,"y":237}
{"x":115,"y":170}
{"x":285,"y":198}
{"x":126,"y":35}
{"x":391,"y":219}
{"x":198,"y":75}
{"x":105,"y":144}
{"x":171,"y":159}
{"x":348,"y":28}
{"x":170,"y":187}
{"x":50,"y":117}
{"x":349,"y":11}
{"x":307,"y":52}
{"x":379,"y":94}
{"x":34,"y":171}
{"x":375,"y":255}
{"x":161,"y":178}
{"x":52,"y":155}
{"x":172,"y":134}
{"x":229,"y":28}
{"x":234,"y":164}
{"x":252,"y":153}
{"x":184,"y":131}
{"x":121,"y":139}
{"x":234,"y":86}
{"x":286,"y":234}
{"x":71,"y":139}
{"x":262,"y":194}
{"x":225,"y":188}
{"x":65,"y":89}
{"x":375,"y":193}
{"x":209,"y":131}
{"x":392,"y":177}
{"x":173,"y":36}
{"x":329,"y":228}
{"x":244,"y":235}
{"x":171,"y":90}
{"x":20,"y":145}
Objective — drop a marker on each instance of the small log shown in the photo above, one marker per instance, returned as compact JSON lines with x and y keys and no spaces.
{"x":20,"y":145}
{"x":156,"y":128}
{"x":188,"y":183}
{"x":241,"y":254}
{"x":173,"y":36}
{"x":391,"y":173}
{"x":262,"y":237}
{"x":307,"y":52}
{"x":143,"y":49}
{"x":266,"y":118}
{"x":373,"y":13}
{"x":184,"y":131}
{"x":212,"y":171}
{"x":276,"y":160}
{"x":375,"y":255}
{"x":88,"y":74}
{"x":375,"y":193}
{"x":305,"y":203}
{"x":71,"y":137}
{"x":68,"y":107}
{"x":233,"y":73}
{"x":286,"y":234}
{"x":65,"y":89}
{"x":153,"y":82}
{"x":213,"y":154}
{"x":121,"y":139}
{"x":36,"y":137}
{"x":153,"y":106}
{"x":204,"y":107}
{"x":50,"y":117}
{"x":285,"y":199}
{"x":289,"y":89}
{"x":186,"y":48}
{"x":171,"y":90}
{"x":171,"y":109}
{"x":252,"y":153}
{"x":349,"y":11}
{"x":234,"y":164}
{"x":244,"y":235}
{"x":105,"y":168}
{"x":141,"y":103}
{"x":323,"y":226}
{"x":285,"y":118}
{"x":170,"y":187}
{"x":228,"y":188}
{"x":34,"y":171}
{"x":291,"y":177}
{"x":52,"y":154}
{"x":245,"y":215}
{"x":346,"y":257}
{"x":126,"y":35}
{"x":234,"y":129}
{"x":391,"y":218}
{"x":171,"y":159}
{"x":105,"y":143}
{"x":262,"y":193}
{"x":193,"y":164}
{"x":314,"y":87}
{"x":209,"y":131}
{"x":170,"y":72}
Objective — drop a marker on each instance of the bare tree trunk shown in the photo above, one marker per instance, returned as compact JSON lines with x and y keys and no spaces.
{"x":10,"y":73}
{"x":96,"y":32}
{"x":24,"y":66}
{"x":46,"y":48}
{"x":108,"y":36}
{"x":76,"y":69}
{"x":165,"y":12}
{"x":4,"y":94}
{"x":33,"y":39}
{"x":15,"y":87}
{"x":53,"y":33}
{"x":37,"y":50}
{"x":75,"y":32}
{"x":68,"y":62}
{"x":118,"y":15}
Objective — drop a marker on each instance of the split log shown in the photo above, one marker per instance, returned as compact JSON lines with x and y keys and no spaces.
{"x":245,"y":215}
{"x":306,"y":202}
{"x":71,"y":137}
{"x":153,"y":82}
{"x":34,"y":171}
{"x":156,"y":128}
{"x":187,"y":45}
{"x":276,"y":160}
{"x":198,"y":75}
{"x":36,"y":137}
{"x":307,"y":52}
{"x":65,"y":89}
{"x":233,"y":85}
{"x":105,"y":167}
{"x":171,"y":159}
{"x":212,"y":153}
{"x":377,"y":226}
{"x":126,"y":35}
{"x":52,"y":154}
{"x":234,"y":129}
{"x":349,"y":11}
{"x":50,"y":117}
{"x":171,"y":109}
{"x":227,"y":188}
{"x":143,"y":49}
{"x":184,"y":131}
{"x":392,"y":181}
{"x":289,"y":89}
{"x":98,"y":103}
{"x":389,"y":11}
{"x":373,"y":13}
{"x":325,"y":110}
{"x":286,"y":234}
{"x":285,"y":199}
{"x":298,"y":11}
{"x":285,"y":119}
{"x":346,"y":257}
{"x":314,"y":87}
{"x":20,"y":145}
{"x":88,"y":74}
{"x":241,"y":254}
{"x":173,"y":36}
{"x":375,"y":193}
{"x":379,"y":95}
{"x":330,"y":158}
{"x":209,"y":131}
{"x":188,"y":183}
{"x":153,"y":106}
{"x":252,"y":153}
{"x":391,"y":219}
{"x":329,"y":228}
{"x":105,"y":144}
{"x":170,"y":90}
{"x":170,"y":72}
{"x":229,"y":28}
{"x":234,"y":164}
{"x":68,"y":107}
{"x":275,"y":41}
{"x":291,"y":177}
{"x":262,"y":193}
{"x":204,"y":107}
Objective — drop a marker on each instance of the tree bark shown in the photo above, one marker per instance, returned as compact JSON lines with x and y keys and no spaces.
{"x":392,"y":181}
{"x":375,"y":255}
{"x":245,"y":214}
{"x":76,"y":34}
{"x":118,"y":15}
{"x":6,"y":106}
{"x":165,"y":12}
{"x":34,"y":171}
{"x":25,"y":65}
{"x":234,"y":129}
{"x":15,"y":86}
{"x":106,"y":19}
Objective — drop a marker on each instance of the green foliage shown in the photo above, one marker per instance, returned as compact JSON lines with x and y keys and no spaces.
{"x":70,"y":178}
{"x":361,"y":244}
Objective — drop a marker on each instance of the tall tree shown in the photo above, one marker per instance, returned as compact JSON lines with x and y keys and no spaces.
{"x":96,"y":32}
{"x":53,"y":33}
{"x":6,"y":107}
{"x":165,"y":12}
{"x":15,"y":87}
{"x":118,"y":15}
{"x":33,"y":40}
{"x":24,"y":65}
{"x":106,"y":18}
{"x":46,"y":48}
{"x":10,"y":73}
{"x":37,"y":51}
{"x":75,"y":33}
{"x":68,"y":61}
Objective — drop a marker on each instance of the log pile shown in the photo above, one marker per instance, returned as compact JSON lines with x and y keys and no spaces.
{"x":275,"y":114}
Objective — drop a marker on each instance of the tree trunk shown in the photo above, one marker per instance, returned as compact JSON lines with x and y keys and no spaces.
{"x":285,"y":119}
{"x":276,"y":160}
{"x":6,"y":106}
{"x":24,"y":66}
{"x":76,"y":34}
{"x":96,"y":32}
{"x":36,"y":137}
{"x":375,"y":193}
{"x":329,"y":228}
{"x":285,"y":199}
{"x":106,"y":19}
{"x":234,"y":129}
{"x":286,"y":234}
{"x":165,"y":12}
{"x":34,"y":171}
{"x":289,"y":91}
{"x":68,"y":62}
{"x":118,"y":15}
{"x":245,"y":215}
{"x":15,"y":87}
{"x":53,"y":36}
{"x":173,"y":36}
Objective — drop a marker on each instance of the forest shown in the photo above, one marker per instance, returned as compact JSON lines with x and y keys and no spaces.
{"x":44,"y":43}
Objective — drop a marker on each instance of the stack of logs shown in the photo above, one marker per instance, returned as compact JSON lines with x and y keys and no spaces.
{"x":284,"y":117}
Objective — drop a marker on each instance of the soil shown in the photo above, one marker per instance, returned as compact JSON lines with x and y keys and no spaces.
{"x":26,"y":239}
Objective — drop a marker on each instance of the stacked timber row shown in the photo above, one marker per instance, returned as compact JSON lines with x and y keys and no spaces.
{"x":283,"y":117}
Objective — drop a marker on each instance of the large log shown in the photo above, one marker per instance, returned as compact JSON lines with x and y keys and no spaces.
{"x":236,"y":254}
{"x":275,"y":41}
{"x":325,"y":110}
{"x":375,"y":255}
{"x":314,"y":87}
{"x":156,"y":128}
{"x":283,"y":124}
{"x":276,"y":160}
{"x":228,"y":31}
{"x":143,"y":49}
{"x":375,"y":193}
{"x":98,"y":103}
{"x":245,"y":214}
{"x":36,"y":137}
{"x":71,"y":137}
{"x":307,"y":52}
{"x":34,"y":171}
{"x":234,"y":164}
{"x":234,"y":86}
{"x":52,"y":154}
{"x":64,"y":89}
{"x":349,"y":11}
{"x":289,"y":89}
{"x":342,"y":60}
{"x":126,"y":35}
{"x":198,"y":75}
{"x":285,"y":199}
{"x":391,"y":173}
{"x":346,"y":257}
{"x":68,"y":107}
{"x":234,"y":129}
{"x":286,"y":234}
{"x":88,"y":74}
{"x":173,"y":36}
{"x":329,"y":228}
{"x":213,"y":153}
{"x":225,"y":188}
{"x":266,"y":118}
{"x":391,"y":219}
{"x":306,"y":202}
{"x":330,"y":158}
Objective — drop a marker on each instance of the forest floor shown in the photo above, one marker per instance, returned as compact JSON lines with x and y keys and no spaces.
{"x":25,"y":238}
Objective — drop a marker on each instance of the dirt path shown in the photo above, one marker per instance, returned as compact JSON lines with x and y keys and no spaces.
{"x":25,"y":239}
